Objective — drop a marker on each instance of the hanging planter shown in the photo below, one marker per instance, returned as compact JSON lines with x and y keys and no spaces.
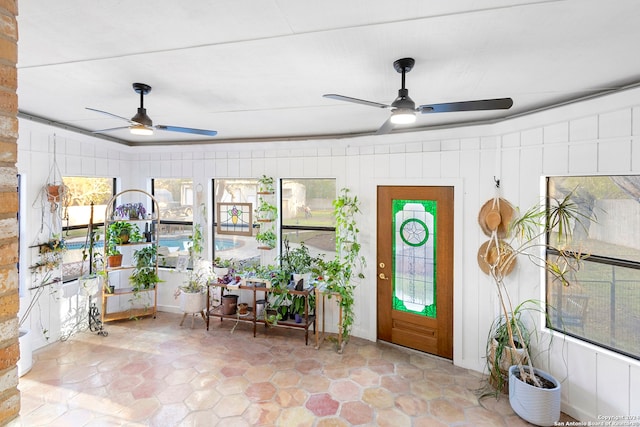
{"x":266,"y":185}
{"x":55,"y":192}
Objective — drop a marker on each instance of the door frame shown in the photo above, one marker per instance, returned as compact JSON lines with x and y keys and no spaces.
{"x":458,"y":221}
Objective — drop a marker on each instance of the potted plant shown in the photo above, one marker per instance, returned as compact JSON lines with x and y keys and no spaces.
{"x":530,"y":389}
{"x":55,"y":244}
{"x":265,"y":185}
{"x":123,"y":232}
{"x":298,"y":262}
{"x":221,"y":267}
{"x":130,"y":211}
{"x":338,"y":274}
{"x":500,"y":354}
{"x":266,"y":239}
{"x":265,"y":211}
{"x":279,"y":298}
{"x":55,"y":192}
{"x":119,"y":233}
{"x":144,"y":275}
{"x":192,"y":292}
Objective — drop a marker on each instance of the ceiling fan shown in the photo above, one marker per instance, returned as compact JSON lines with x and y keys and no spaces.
{"x":403,"y":109}
{"x":141,"y":124}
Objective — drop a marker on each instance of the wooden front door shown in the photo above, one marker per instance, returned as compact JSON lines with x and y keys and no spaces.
{"x":415,"y":267}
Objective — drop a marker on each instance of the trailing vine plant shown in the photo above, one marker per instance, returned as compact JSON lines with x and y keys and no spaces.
{"x":348,"y":262}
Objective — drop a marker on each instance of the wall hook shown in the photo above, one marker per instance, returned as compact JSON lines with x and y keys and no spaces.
{"x":497,"y":181}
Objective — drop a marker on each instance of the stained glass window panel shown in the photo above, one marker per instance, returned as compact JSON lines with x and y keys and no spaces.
{"x":235,"y":219}
{"x":414,"y":260}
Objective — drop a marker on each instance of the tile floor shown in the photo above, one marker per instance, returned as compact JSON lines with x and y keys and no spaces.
{"x":152,"y":372}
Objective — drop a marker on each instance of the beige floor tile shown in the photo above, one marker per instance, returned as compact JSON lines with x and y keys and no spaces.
{"x":152,"y":372}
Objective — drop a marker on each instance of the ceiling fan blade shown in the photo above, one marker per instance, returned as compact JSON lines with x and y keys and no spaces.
{"x":112,"y":115}
{"x":484,"y":104}
{"x":356,"y":100}
{"x":187,"y":130}
{"x":386,"y":127}
{"x":109,"y":130}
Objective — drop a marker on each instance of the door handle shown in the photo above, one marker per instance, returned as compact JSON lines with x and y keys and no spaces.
{"x":382,"y":276}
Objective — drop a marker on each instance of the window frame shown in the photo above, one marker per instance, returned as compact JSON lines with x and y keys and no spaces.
{"x":283,"y":228}
{"x":162,"y":221}
{"x":64,"y":229}
{"x":551,"y":312}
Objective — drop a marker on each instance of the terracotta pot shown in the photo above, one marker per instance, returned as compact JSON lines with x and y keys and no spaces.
{"x":114,"y":260}
{"x":53,"y":193}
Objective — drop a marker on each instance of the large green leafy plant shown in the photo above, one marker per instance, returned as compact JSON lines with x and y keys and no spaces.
{"x":348,"y":263}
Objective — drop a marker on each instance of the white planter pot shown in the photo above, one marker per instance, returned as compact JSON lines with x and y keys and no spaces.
{"x":26,"y":352}
{"x":192,"y":302}
{"x":539,"y":406}
{"x":220,"y":271}
{"x":89,"y":286}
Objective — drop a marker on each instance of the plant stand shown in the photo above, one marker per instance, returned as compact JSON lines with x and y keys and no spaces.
{"x":320,"y":326}
{"x":192,"y":304}
{"x":193,"y":318}
{"x":308,"y":320}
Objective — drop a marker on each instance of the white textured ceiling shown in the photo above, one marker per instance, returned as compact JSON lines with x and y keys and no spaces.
{"x":255,"y":70}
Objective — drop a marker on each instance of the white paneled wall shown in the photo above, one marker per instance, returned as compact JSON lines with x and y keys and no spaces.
{"x":599,"y":136}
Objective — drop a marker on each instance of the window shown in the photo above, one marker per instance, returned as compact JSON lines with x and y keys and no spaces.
{"x":234,"y":233}
{"x":175,"y":199}
{"x":601,"y":305}
{"x":81,"y":193}
{"x":307,"y":214}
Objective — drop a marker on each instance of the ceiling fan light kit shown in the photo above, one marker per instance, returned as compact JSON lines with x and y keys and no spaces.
{"x":402,"y":116}
{"x":141,"y":123}
{"x":403,"y":109}
{"x":140,"y":130}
